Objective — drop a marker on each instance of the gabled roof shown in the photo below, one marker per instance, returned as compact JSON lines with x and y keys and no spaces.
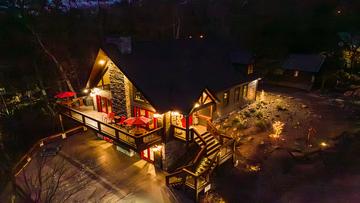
{"x":242,"y":57}
{"x":304,"y":62}
{"x":173,"y":74}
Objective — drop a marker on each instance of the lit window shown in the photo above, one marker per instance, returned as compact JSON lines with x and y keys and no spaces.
{"x":245,"y":90}
{"x":296,"y":73}
{"x":226,"y":98}
{"x":139,"y":97}
{"x":250,"y":69}
{"x":237,"y":94}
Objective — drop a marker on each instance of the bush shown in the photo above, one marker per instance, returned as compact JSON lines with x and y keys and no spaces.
{"x":280,"y":108}
{"x":235,"y":121}
{"x":262,"y":124}
{"x":259,"y":114}
{"x":241,"y":125}
{"x":247,"y":114}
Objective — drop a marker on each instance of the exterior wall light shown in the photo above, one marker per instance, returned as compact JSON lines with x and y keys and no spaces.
{"x":156,"y":115}
{"x":86,"y":91}
{"x":101,"y":62}
{"x":196,"y":105}
{"x":175,"y":113}
{"x":157,"y":148}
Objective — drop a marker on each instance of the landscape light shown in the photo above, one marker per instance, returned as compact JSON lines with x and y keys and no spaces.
{"x":323,"y":144}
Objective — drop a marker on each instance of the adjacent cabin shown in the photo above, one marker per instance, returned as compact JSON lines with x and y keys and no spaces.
{"x":301,"y":70}
{"x":181,"y":86}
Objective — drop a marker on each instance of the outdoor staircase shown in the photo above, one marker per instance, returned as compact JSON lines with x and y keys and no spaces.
{"x":212,"y":145}
{"x":196,"y":175}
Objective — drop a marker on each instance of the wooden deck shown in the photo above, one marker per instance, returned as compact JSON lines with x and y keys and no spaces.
{"x":95,"y":120}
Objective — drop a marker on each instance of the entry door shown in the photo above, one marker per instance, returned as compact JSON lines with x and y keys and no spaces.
{"x":147,"y":155}
{"x":103,"y":104}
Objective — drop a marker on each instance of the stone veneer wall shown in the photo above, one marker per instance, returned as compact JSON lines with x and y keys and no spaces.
{"x":119,"y":91}
{"x":128,"y":95}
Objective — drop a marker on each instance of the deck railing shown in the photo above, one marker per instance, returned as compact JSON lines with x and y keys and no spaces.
{"x":179,"y":132}
{"x":136,"y":142}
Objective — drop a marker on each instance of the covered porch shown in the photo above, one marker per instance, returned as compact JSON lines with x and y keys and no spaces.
{"x":198,"y":119}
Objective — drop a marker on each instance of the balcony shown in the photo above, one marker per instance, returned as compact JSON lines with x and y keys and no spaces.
{"x":93,"y":119}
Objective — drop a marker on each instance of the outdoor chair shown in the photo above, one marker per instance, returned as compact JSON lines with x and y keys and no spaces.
{"x":109,"y":118}
{"x":122,"y":119}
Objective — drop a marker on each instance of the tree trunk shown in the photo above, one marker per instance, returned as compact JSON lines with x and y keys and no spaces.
{"x":53,"y":58}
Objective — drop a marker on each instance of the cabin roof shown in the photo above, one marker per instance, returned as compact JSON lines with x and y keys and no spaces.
{"x":304,"y":62}
{"x":173,"y":74}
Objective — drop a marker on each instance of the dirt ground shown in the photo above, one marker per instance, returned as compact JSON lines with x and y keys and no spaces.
{"x":309,"y":120}
{"x":266,"y":172}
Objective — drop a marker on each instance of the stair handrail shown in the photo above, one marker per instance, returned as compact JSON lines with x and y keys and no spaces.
{"x":167,"y":178}
{"x":216,"y":133}
{"x":192,"y":162}
{"x":203,"y":149}
{"x":198,"y":134}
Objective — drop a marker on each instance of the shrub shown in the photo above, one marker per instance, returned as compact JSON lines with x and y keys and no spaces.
{"x":247,"y":114}
{"x":258,"y":105}
{"x":235,"y":121}
{"x":252,"y":110}
{"x":262,"y":124}
{"x":280,"y":108}
{"x":241,"y":125}
{"x":259,"y":114}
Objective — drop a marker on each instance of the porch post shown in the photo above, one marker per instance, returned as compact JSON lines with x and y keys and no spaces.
{"x":61,"y":122}
{"x":187,"y":130}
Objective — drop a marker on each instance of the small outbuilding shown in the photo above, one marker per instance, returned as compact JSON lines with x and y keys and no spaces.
{"x":301,"y":70}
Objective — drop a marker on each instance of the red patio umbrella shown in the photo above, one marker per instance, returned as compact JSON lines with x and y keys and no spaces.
{"x":137,"y":121}
{"x":63,"y":95}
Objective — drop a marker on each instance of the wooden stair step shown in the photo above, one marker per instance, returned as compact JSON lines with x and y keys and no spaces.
{"x":213,"y":150}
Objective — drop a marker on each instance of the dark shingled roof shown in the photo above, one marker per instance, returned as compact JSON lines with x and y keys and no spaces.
{"x":172,"y":74}
{"x":241,"y":57}
{"x":304,"y":62}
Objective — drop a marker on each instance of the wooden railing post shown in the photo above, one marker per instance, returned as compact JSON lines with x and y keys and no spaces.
{"x":99,"y":126}
{"x":117,"y":134}
{"x":139,"y":141}
{"x":196,"y":188}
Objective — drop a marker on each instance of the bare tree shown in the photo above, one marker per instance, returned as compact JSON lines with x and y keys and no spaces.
{"x":52,"y":57}
{"x":52,"y":180}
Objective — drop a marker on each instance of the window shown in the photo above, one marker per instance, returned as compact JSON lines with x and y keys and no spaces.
{"x":237,"y":94}
{"x":244,"y":91}
{"x":296,"y":73}
{"x":250,"y":69}
{"x":139,"y":97}
{"x":313,"y":78}
{"x":226,"y":98}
